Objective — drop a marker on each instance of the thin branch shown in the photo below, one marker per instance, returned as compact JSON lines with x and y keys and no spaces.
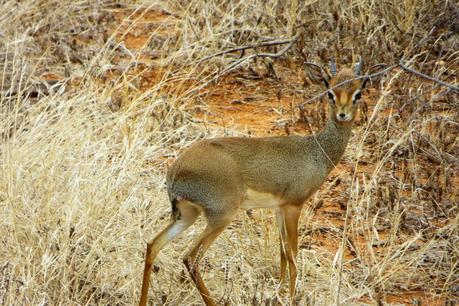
{"x":376,"y":66}
{"x":265,"y":44}
{"x":427,"y":77}
{"x":250,"y":57}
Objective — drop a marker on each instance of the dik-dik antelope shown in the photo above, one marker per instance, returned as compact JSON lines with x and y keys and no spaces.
{"x":220,"y":176}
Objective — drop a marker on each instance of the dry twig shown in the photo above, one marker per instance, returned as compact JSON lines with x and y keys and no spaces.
{"x":427,"y":77}
{"x":243,"y":48}
{"x":253,"y":56}
{"x":250,"y":57}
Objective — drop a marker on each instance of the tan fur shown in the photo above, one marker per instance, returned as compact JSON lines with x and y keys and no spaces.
{"x":223,"y":175}
{"x":255,"y":199}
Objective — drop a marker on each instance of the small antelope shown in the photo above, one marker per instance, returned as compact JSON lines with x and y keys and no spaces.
{"x":220,"y":176}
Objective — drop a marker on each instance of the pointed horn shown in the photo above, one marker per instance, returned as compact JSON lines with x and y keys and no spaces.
{"x":358,"y":67}
{"x":332,"y":67}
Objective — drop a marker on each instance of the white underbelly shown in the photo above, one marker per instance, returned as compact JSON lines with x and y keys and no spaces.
{"x":255,"y":199}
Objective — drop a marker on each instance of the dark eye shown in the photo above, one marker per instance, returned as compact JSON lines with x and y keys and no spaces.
{"x":331,"y":96}
{"x":357,"y":96}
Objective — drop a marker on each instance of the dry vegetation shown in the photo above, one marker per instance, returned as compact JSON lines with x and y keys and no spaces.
{"x":96,"y":99}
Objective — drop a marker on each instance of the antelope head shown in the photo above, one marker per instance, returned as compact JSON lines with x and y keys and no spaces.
{"x":344,"y":90}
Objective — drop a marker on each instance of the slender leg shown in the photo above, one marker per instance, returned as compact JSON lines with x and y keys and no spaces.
{"x":283,"y":241}
{"x":191,"y":260}
{"x":181,"y":222}
{"x":291,"y":216}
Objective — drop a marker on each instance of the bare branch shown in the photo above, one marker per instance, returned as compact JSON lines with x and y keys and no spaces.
{"x":263,"y":44}
{"x":239,"y":62}
{"x":253,"y":56}
{"x":427,"y":77}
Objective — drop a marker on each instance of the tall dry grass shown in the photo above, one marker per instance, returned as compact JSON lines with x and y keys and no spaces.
{"x":83,"y":164}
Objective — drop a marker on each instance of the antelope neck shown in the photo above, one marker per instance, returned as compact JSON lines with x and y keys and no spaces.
{"x":334,"y":138}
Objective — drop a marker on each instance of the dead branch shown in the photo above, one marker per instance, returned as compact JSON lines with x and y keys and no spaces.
{"x":263,"y":44}
{"x":239,"y":62}
{"x":427,"y":77}
{"x":253,"y":56}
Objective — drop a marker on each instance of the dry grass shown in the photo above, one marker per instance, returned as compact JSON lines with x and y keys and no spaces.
{"x":83,"y":164}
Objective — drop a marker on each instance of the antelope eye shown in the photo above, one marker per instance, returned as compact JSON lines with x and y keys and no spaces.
{"x":357,"y":97}
{"x":331,"y":96}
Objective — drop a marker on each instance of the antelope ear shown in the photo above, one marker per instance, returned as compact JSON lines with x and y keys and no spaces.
{"x":364,"y":82}
{"x":316,"y":74}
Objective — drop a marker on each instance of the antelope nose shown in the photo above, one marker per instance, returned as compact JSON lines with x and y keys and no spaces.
{"x":342,"y":115}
